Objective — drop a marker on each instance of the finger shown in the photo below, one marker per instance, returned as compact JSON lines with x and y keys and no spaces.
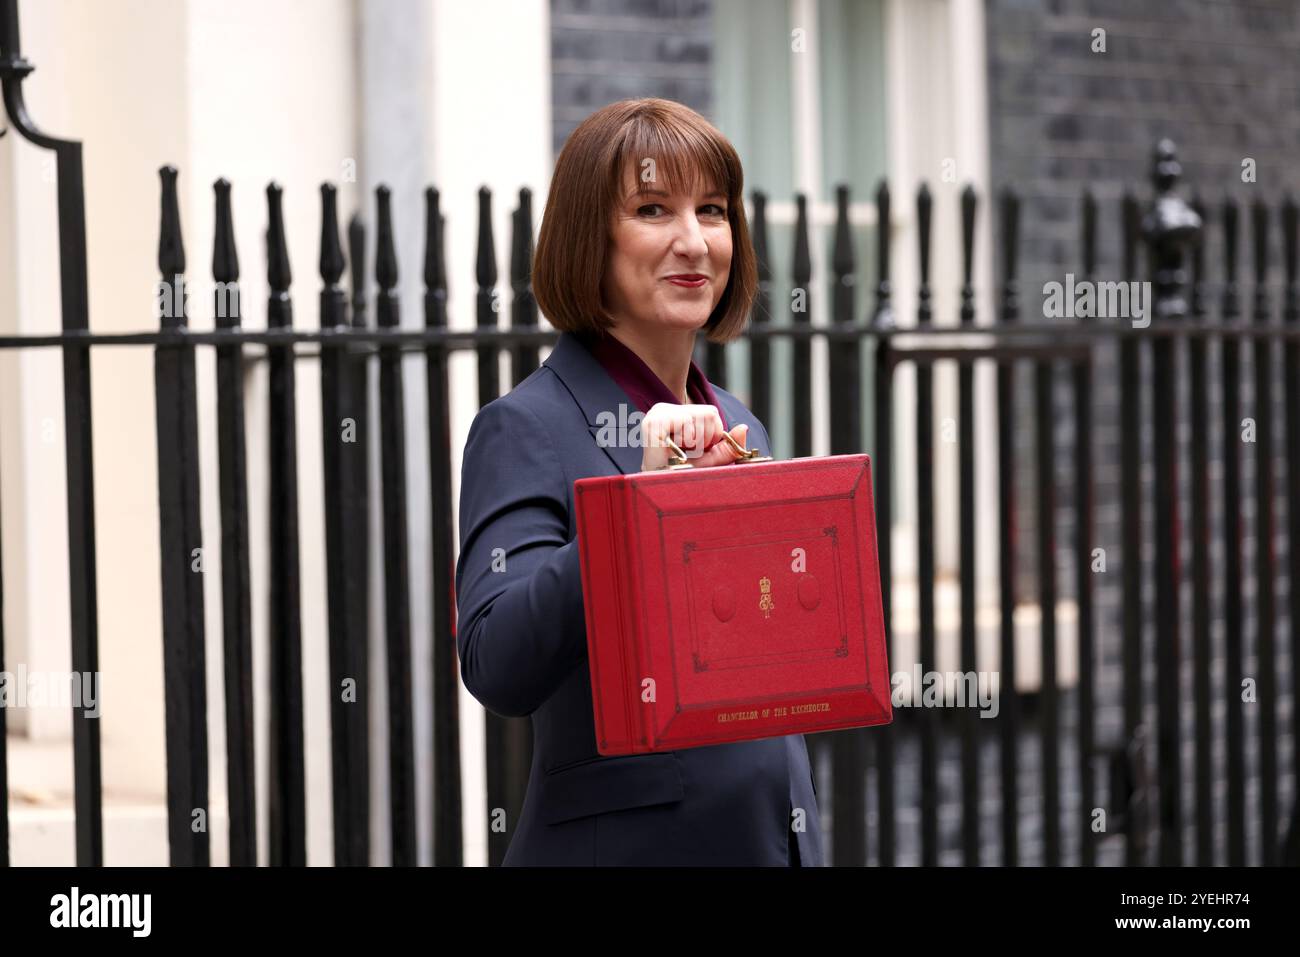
{"x":720,"y":454}
{"x":671,"y":429}
{"x":741,"y":434}
{"x":711,"y":426}
{"x":690,"y":436}
{"x":726,"y":451}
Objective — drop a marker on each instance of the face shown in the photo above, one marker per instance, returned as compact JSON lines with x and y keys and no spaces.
{"x":669,"y":255}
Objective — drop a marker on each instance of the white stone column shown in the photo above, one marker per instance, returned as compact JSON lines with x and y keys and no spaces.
{"x":457,"y":96}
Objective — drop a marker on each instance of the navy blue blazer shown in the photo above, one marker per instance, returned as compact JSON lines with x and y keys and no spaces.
{"x":522,"y":638}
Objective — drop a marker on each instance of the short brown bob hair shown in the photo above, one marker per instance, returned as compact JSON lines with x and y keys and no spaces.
{"x":587,"y":185}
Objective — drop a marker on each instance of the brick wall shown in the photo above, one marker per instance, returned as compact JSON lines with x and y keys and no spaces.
{"x":607,"y":50}
{"x":1222,"y":79}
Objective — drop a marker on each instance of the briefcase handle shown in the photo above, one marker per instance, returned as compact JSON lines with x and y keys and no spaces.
{"x":678,"y":458}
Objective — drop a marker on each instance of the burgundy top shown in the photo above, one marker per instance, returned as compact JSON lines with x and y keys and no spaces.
{"x":639,"y":381}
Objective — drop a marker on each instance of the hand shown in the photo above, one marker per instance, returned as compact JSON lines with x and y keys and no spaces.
{"x":697,"y":430}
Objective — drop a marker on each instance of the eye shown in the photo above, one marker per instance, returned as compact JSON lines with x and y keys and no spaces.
{"x":641,"y":211}
{"x":717,"y":210}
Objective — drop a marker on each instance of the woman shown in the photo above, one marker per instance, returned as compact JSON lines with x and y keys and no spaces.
{"x":643,"y":245}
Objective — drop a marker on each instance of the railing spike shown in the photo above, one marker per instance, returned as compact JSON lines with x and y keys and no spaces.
{"x":331,"y":252}
{"x":386,"y":254}
{"x":278,"y":274}
{"x":171,"y":246}
{"x":225,"y":259}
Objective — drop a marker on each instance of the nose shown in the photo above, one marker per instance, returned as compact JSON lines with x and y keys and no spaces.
{"x":688,"y":241}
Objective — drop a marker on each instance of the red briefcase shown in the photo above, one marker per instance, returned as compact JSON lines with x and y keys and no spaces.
{"x":732,"y":603}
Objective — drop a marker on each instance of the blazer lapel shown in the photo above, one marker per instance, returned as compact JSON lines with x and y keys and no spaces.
{"x":605,"y":406}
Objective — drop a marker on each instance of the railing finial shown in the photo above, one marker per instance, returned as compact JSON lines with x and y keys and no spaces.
{"x":1169,"y":227}
{"x":12,"y":64}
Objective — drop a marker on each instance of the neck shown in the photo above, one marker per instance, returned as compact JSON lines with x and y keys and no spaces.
{"x":666,"y":351}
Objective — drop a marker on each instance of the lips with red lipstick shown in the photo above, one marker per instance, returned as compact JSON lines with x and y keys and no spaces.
{"x":689,"y":280}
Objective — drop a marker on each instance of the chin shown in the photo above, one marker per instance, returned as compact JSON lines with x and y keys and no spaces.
{"x":690,"y":322}
{"x":675,"y":320}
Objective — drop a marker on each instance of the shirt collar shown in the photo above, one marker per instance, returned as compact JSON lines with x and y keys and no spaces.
{"x":639,"y":381}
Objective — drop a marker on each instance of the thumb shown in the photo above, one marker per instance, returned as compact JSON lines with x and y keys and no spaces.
{"x":721,"y":452}
{"x":741,"y":434}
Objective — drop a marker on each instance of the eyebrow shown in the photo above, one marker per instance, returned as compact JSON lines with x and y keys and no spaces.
{"x":716,"y":194}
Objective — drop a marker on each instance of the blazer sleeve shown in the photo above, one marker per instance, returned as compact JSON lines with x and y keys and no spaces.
{"x":767,"y":442}
{"x":520,"y":628}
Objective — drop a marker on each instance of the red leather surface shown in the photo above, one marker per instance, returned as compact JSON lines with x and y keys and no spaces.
{"x":732,"y":603}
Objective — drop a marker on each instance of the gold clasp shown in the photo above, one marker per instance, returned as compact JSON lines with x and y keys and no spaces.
{"x":678,"y":460}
